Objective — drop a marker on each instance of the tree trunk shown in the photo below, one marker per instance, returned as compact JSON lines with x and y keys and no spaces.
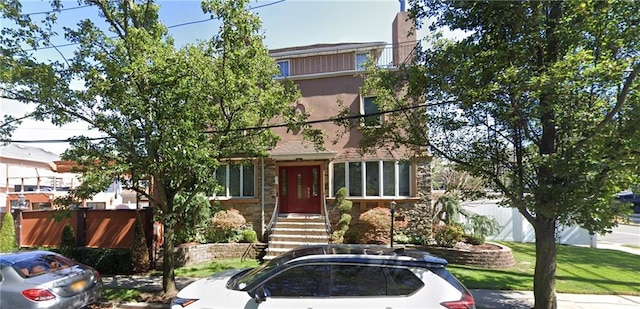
{"x":544,"y":278}
{"x":168,"y":275}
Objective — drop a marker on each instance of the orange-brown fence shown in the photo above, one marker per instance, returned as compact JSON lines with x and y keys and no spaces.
{"x":111,"y":228}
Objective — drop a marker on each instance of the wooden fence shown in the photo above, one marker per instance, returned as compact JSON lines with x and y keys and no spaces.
{"x":111,"y":228}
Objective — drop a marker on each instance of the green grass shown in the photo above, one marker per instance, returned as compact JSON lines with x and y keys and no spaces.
{"x":206,"y":269}
{"x":120,"y":294}
{"x":195,"y":271}
{"x":580,"y":270}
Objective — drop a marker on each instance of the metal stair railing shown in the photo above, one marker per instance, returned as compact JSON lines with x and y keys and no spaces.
{"x":273,"y":220}
{"x":327,"y":223}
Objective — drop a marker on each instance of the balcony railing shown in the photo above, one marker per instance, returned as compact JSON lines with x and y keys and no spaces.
{"x":392,"y":56}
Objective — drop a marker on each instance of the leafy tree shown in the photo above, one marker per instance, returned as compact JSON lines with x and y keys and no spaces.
{"x":7,"y":234}
{"x":169,"y":114}
{"x":541,"y":98}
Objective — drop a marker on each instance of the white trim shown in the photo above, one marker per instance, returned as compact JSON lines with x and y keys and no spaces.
{"x":363,"y":173}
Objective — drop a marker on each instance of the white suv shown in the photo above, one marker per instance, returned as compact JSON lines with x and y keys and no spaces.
{"x":333,"y":276}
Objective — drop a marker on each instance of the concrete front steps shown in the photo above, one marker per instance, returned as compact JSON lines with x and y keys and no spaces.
{"x":293,"y":230}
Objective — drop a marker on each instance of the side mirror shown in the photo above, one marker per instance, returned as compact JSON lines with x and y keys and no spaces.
{"x":260,"y":294}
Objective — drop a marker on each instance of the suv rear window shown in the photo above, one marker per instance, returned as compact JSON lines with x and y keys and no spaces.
{"x":42,"y":264}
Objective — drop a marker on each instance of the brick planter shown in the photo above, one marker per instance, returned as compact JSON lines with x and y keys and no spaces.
{"x":193,"y":254}
{"x":492,"y":256}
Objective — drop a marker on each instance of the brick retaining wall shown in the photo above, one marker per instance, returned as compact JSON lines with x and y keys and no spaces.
{"x":192,"y":254}
{"x":486,"y":258}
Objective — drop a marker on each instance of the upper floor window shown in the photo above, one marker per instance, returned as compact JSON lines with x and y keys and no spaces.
{"x":370,"y":107}
{"x":237,"y":180}
{"x":361,"y":60}
{"x":283,"y":66}
{"x":372,"y":178}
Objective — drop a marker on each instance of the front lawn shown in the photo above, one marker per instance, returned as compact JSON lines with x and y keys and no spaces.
{"x":580,"y":270}
{"x":196,"y":271}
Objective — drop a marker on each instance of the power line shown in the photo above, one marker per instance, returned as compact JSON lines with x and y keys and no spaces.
{"x":332,"y":119}
{"x":168,"y":27}
{"x":59,"y":10}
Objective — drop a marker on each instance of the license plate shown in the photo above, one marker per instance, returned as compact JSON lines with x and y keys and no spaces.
{"x":78,"y":285}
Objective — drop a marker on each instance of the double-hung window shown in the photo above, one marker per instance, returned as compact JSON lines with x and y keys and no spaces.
{"x":283,"y":66}
{"x":373,"y":178}
{"x":236,"y":180}
{"x":369,"y":109}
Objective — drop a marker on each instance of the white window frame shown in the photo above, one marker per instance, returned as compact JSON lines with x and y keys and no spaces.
{"x":227,"y":190}
{"x":288,"y":72}
{"x":364,"y":115}
{"x":381,"y":195}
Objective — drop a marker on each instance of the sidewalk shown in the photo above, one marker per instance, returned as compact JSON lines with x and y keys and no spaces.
{"x":493,"y":299}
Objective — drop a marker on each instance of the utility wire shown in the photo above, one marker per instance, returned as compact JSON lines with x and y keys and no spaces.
{"x":168,"y":27}
{"x":332,"y":119}
{"x":60,"y":10}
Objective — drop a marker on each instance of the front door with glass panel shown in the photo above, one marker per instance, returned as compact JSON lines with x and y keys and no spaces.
{"x":300,"y":189}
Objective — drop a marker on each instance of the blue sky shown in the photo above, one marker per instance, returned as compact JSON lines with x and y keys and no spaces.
{"x":285,"y":23}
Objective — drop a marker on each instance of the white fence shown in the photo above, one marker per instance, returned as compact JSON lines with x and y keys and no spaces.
{"x":516,"y":228}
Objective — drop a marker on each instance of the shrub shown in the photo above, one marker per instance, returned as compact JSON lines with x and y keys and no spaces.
{"x":228,"y":219}
{"x":352,"y":237}
{"x":376,"y":224}
{"x":106,"y":261}
{"x":227,"y":226}
{"x":249,"y":235}
{"x":68,"y":244}
{"x":7,"y":234}
{"x":474,"y":240}
{"x":139,"y":249}
{"x":194,"y":220}
{"x":344,"y":206}
{"x":448,"y":235}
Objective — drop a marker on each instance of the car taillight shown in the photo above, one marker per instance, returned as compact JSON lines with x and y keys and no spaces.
{"x":38,"y":294}
{"x":466,"y":302}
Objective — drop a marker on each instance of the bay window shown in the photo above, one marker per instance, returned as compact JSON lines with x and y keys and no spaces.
{"x":372,"y":178}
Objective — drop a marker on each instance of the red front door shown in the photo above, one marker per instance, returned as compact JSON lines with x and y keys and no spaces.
{"x":300,"y":189}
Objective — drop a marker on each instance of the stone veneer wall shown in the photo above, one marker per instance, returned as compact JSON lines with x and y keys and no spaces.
{"x":193,"y":254}
{"x":486,"y":258}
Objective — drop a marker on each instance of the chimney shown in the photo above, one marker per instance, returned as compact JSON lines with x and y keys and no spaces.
{"x":403,"y":36}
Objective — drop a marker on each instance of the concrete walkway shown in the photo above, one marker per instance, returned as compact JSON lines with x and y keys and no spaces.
{"x":493,"y":299}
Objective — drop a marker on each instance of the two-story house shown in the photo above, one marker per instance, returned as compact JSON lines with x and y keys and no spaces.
{"x":289,"y":195}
